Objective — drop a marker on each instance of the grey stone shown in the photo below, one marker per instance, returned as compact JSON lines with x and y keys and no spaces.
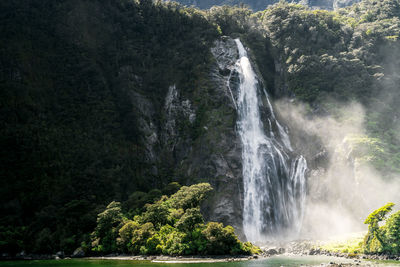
{"x":78,"y":253}
{"x":271,"y":252}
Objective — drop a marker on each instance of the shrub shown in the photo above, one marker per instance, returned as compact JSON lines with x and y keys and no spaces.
{"x":189,"y":220}
{"x":173,"y":242}
{"x":221,"y":240}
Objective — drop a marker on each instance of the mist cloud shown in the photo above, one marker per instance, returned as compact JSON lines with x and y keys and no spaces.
{"x":346,"y":188}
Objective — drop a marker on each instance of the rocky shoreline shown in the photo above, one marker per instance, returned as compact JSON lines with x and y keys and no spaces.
{"x":157,"y":258}
{"x":310,"y":248}
{"x":298,"y":248}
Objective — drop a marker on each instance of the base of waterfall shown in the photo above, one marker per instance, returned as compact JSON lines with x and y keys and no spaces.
{"x":339,"y":246}
{"x":331,"y":259}
{"x":286,"y":259}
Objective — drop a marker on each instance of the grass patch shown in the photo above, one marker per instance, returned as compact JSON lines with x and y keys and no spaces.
{"x":351,"y":244}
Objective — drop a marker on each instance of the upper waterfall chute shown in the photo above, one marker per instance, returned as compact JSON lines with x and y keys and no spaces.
{"x":274,"y":183}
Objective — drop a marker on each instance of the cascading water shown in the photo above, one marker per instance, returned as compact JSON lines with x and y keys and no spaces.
{"x":274,"y":183}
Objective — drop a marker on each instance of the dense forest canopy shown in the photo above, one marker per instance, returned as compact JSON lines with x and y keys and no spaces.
{"x":69,"y":133}
{"x":258,"y":5}
{"x":72,"y":135}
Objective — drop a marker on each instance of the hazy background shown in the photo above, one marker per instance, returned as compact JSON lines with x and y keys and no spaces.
{"x":346,"y":188}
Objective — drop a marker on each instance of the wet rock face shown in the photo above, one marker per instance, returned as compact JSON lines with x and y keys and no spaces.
{"x":218,"y":154}
{"x":213,"y":153}
{"x":145,"y":115}
{"x":176,"y":111}
{"x":225,"y":52}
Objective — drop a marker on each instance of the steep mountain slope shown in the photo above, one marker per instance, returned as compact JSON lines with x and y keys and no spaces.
{"x":101,"y":99}
{"x":83,"y":87}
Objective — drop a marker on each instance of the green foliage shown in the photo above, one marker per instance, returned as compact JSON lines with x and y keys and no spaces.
{"x":173,"y":243}
{"x":106,"y":232}
{"x":72,"y":134}
{"x":230,"y":20}
{"x":11,"y":239}
{"x":189,"y":220}
{"x":70,"y":126}
{"x":140,"y":237}
{"x":44,"y":241}
{"x":378,"y":215}
{"x":347,"y":55}
{"x":222,"y":240}
{"x":175,"y":215}
{"x":171,"y":225}
{"x":366,"y":150}
{"x":392,"y":233}
{"x":385,"y":238}
{"x":351,"y":244}
{"x":156,"y":213}
{"x":171,"y":188}
{"x":380,"y":239}
{"x":249,"y":248}
{"x":374,"y":239}
{"x":126,"y":235}
{"x":189,"y":197}
{"x":137,"y":200}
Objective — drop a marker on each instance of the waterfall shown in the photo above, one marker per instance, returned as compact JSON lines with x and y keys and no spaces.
{"x":274,"y":182}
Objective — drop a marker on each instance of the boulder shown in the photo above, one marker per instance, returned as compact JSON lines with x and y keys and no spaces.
{"x":271,"y":252}
{"x":78,"y":253}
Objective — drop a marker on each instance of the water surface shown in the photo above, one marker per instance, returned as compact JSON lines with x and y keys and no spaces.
{"x":288,"y":261}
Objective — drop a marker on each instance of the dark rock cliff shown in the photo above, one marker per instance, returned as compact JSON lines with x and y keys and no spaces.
{"x":214,"y":155}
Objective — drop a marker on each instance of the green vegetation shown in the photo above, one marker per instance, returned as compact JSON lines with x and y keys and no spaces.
{"x":383,"y":235}
{"x":349,"y":245}
{"x":326,"y":57}
{"x":385,"y":238}
{"x":82,"y":94}
{"x":170,"y":226}
{"x":71,"y":131}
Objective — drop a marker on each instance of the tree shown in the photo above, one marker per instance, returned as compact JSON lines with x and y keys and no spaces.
{"x":189,"y":197}
{"x":376,"y":233}
{"x":108,"y":224}
{"x":156,"y":213}
{"x":171,"y":188}
{"x":189,"y":220}
{"x":392,"y":233}
{"x":140,"y":237}
{"x":126,"y":234}
{"x":221,"y":240}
